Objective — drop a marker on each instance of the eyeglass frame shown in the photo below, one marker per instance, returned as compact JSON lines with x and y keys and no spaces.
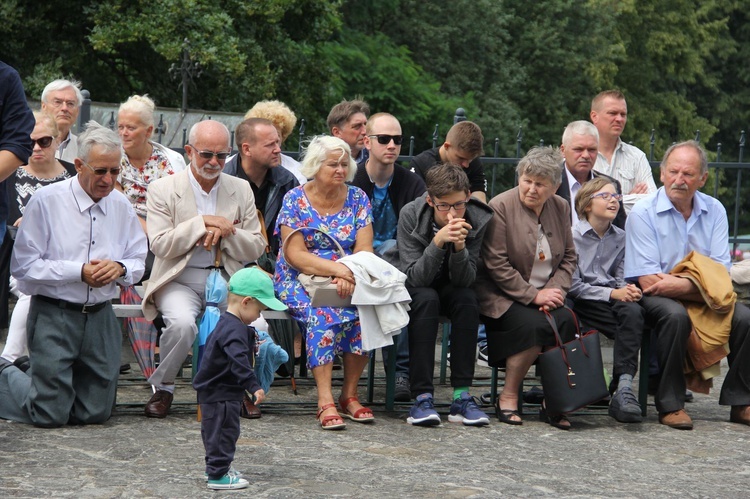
{"x":100,"y":172}
{"x":447,"y":207}
{"x":607,"y":196}
{"x":397,"y":139}
{"x":211,"y":154}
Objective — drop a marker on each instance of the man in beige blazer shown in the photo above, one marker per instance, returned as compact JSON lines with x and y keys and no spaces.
{"x":192,"y":215}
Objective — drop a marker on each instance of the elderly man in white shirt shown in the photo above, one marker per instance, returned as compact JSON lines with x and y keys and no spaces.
{"x":623,"y":162}
{"x":84,"y":239}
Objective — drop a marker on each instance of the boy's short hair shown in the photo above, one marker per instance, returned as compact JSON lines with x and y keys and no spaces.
{"x":466,"y":136}
{"x":446,"y":178}
{"x":255,"y":283}
{"x":583,"y":198}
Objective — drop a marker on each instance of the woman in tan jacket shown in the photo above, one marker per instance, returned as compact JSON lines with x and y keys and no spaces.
{"x":526,"y":265}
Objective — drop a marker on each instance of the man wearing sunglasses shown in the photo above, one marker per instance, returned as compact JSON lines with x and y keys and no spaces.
{"x":439,"y":237}
{"x":462,"y":147}
{"x":62,"y":99}
{"x":347,"y":121}
{"x":580,"y":146}
{"x":192,"y":216}
{"x":390,"y":187}
{"x":77,"y":240}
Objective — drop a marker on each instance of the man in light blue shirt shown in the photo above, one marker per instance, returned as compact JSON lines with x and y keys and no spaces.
{"x":660,"y":231}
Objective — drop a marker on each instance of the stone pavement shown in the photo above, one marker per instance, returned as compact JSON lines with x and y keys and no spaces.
{"x":286,"y":454}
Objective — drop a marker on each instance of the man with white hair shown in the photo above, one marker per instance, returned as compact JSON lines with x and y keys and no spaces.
{"x":82,"y":238}
{"x":63,"y":99}
{"x":192,"y":216}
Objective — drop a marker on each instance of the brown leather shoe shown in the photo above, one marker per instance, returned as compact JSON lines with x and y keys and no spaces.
{"x":158,"y":405}
{"x":740,"y":414}
{"x":249,"y":410}
{"x":677,"y":419}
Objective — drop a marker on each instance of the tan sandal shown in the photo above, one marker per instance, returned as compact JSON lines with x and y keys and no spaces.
{"x":329,"y":418}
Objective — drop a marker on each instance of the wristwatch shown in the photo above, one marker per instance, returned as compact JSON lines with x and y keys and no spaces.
{"x":124,"y":269}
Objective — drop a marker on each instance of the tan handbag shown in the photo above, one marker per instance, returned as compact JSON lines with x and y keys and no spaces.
{"x":321,"y":289}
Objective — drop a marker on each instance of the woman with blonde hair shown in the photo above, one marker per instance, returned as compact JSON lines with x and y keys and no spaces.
{"x":42,"y":169}
{"x":314,"y":219}
{"x":143,"y":160}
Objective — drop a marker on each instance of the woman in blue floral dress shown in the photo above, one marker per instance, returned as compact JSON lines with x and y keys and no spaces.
{"x":326,"y":203}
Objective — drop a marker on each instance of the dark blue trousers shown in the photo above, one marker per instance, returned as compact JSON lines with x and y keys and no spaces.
{"x":220,"y":429}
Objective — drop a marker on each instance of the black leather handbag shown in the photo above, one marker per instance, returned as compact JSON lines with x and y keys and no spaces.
{"x":572,"y":373}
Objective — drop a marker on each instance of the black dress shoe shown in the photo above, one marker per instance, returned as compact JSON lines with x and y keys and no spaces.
{"x":124,"y":368}
{"x":249,"y":410}
{"x":159,"y":404}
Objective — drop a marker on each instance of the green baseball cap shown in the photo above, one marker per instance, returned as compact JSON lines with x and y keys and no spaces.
{"x":255,"y":283}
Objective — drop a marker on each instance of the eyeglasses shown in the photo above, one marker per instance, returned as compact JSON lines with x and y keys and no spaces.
{"x":456,"y":206}
{"x":386,"y":139}
{"x":606,"y":196}
{"x":221,"y":156}
{"x":56,"y":103}
{"x":44,"y":142}
{"x":100,"y":172}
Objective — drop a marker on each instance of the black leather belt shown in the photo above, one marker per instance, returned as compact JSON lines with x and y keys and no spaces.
{"x":79,"y":307}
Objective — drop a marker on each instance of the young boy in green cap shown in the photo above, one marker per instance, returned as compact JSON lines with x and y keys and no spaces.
{"x":226,"y":373}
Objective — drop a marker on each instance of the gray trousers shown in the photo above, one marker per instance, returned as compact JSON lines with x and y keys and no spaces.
{"x":75,"y":361}
{"x":180,"y":303}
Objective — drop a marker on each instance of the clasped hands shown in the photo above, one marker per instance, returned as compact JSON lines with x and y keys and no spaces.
{"x":216,"y":228}
{"x":344,"y":280}
{"x":455,"y":231}
{"x":549,"y":299}
{"x":98,"y":273}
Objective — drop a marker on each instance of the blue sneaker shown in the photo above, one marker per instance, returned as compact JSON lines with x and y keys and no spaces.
{"x":423,"y":412}
{"x":465,"y":410}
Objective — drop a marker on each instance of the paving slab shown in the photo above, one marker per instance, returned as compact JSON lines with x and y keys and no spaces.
{"x":286,"y":454}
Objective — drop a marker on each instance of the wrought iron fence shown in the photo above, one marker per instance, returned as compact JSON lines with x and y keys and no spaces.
{"x":500,"y":171}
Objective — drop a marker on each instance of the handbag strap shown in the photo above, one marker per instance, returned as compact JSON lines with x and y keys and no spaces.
{"x":299,"y":229}
{"x":263,"y":230}
{"x":558,"y":339}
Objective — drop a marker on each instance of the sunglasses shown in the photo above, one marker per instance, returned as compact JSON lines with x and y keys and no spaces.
{"x":221,"y":156}
{"x":100,"y":172}
{"x":456,"y":206}
{"x":44,"y":142}
{"x":386,"y":139}
{"x":606,"y":196}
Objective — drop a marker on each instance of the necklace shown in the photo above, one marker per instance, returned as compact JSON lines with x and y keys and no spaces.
{"x":539,"y":249}
{"x":334,"y":203}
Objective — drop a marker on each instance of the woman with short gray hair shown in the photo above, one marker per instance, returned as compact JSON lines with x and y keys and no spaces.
{"x":525,"y":270}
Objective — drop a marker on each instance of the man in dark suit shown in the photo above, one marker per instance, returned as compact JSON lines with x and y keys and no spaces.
{"x":580,"y":147}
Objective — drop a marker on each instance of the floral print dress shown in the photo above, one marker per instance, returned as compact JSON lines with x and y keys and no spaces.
{"x":329,"y":330}
{"x":134,"y":180}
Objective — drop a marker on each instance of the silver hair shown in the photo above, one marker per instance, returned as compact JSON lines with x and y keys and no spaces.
{"x":56,"y":85}
{"x":581,"y":127}
{"x":317,"y":151}
{"x":542,"y":162}
{"x":193,"y":134}
{"x":97,"y":135}
{"x":142,"y":105}
{"x":688,"y":143}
